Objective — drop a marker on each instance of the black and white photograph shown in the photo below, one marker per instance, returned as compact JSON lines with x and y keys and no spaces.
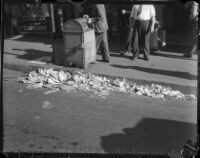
{"x":115,"y":77}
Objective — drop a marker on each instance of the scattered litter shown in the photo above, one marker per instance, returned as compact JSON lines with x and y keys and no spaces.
{"x":36,"y":62}
{"x":37,"y":117}
{"x":34,"y":86}
{"x":97,"y":85}
{"x":191,"y":96}
{"x":47,"y":105}
{"x":52,"y":91}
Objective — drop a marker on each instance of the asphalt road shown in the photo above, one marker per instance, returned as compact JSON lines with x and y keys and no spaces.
{"x":79,"y":122}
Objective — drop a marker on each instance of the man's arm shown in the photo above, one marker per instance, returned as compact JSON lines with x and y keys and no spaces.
{"x":153,"y":18}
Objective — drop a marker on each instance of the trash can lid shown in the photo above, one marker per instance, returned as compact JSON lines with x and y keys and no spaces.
{"x":76,"y":25}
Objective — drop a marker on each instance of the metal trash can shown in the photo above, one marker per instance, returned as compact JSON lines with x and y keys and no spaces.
{"x":79,"y":43}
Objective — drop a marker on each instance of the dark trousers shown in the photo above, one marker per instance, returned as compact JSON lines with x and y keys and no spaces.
{"x":129,"y":41}
{"x":102,"y":43}
{"x":141,"y":38}
{"x":192,"y":38}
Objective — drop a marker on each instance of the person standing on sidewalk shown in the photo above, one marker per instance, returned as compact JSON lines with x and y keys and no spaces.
{"x":125,"y":30}
{"x":99,"y":19}
{"x":142,"y":23}
{"x":192,"y":9}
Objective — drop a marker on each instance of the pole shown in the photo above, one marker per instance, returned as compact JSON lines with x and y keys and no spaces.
{"x":53,"y":31}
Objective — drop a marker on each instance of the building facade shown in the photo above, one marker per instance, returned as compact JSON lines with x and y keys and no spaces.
{"x":32,"y":17}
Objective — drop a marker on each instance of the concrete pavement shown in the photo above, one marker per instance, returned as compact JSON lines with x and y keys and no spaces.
{"x":168,"y":68}
{"x":83,"y":123}
{"x":78,"y":122}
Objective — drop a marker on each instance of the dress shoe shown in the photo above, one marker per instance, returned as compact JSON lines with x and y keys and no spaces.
{"x":106,"y":60}
{"x":133,"y":58}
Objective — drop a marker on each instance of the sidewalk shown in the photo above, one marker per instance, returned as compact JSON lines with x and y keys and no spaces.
{"x":166,"y":68}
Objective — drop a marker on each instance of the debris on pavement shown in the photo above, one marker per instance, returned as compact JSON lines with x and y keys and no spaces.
{"x":67,"y":88}
{"x":98,"y":85}
{"x":47,"y":105}
{"x":51,"y":91}
{"x":37,"y":117}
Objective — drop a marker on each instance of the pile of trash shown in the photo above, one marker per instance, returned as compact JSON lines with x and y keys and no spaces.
{"x":98,"y":85}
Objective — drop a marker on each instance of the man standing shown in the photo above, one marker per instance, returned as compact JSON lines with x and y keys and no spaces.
{"x":98,"y":14}
{"x":142,"y":19}
{"x":125,"y":33}
{"x":192,"y":10}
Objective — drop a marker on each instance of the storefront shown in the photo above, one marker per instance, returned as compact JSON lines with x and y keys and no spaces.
{"x":24,"y":17}
{"x":32,"y":17}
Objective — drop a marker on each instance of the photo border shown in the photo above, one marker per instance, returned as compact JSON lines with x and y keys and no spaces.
{"x":84,"y":155}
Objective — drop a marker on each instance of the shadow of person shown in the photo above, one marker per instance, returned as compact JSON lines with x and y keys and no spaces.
{"x":167,"y":55}
{"x":149,"y":136}
{"x":184,"y":75}
{"x":31,"y":54}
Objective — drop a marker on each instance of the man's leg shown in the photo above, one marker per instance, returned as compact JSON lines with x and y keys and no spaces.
{"x":192,"y":37}
{"x":129,"y":41}
{"x":192,"y":48}
{"x":128,"y":44}
{"x":136,"y":40}
{"x":105,"y":48}
{"x":98,"y":40}
{"x":145,"y":37}
{"x":147,"y":46}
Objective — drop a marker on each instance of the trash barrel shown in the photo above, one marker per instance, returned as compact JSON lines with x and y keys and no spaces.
{"x":79,"y":43}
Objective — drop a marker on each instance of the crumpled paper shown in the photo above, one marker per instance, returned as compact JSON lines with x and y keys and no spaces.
{"x":98,"y":85}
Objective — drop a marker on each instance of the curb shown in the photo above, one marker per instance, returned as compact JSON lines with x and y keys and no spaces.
{"x":27,"y":68}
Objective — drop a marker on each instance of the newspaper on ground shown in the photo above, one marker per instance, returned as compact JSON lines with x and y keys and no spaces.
{"x":96,"y":84}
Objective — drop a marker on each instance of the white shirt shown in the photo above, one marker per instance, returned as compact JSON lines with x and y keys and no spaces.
{"x":147,"y":12}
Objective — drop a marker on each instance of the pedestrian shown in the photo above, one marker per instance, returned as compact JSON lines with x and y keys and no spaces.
{"x":99,"y":19}
{"x":192,"y":10}
{"x":125,"y":33}
{"x":157,"y":37}
{"x":142,"y":23}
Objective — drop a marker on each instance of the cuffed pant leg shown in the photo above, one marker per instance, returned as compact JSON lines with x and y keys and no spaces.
{"x":98,"y":40}
{"x":136,"y":40}
{"x":104,"y":46}
{"x":145,"y":37}
{"x":129,"y":41}
{"x":147,"y":46}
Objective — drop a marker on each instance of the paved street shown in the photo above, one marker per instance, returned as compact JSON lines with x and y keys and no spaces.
{"x":79,"y":122}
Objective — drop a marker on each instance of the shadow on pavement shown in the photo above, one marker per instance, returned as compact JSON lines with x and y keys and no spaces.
{"x":175,"y":48}
{"x":151,"y":135}
{"x":32,"y":54}
{"x":39,"y":38}
{"x":157,"y":53}
{"x":119,"y":55}
{"x":184,"y":75}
